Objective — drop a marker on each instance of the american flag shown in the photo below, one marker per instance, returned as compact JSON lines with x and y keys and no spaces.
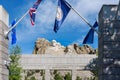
{"x":32,"y":11}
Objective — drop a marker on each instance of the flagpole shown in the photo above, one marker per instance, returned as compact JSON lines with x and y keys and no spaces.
{"x":118,"y":7}
{"x":10,"y":29}
{"x":82,"y":18}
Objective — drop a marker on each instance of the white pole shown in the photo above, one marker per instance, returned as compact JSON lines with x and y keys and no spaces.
{"x":10,"y":29}
{"x":118,"y":7}
{"x":82,"y":18}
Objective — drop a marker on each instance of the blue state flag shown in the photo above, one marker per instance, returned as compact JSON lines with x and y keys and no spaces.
{"x":90,"y":36}
{"x":13,"y":35}
{"x":62,"y":11}
{"x":32,"y":11}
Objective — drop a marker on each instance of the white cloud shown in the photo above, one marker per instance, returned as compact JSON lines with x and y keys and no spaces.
{"x":44,"y":19}
{"x":79,"y":41}
{"x":46,"y":15}
{"x":26,"y":34}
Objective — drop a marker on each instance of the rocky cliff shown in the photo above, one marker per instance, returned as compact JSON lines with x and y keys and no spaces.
{"x":43,"y":46}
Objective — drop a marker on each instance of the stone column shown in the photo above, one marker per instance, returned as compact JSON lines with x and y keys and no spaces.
{"x":47,"y":74}
{"x":74,"y":71}
{"x":109,"y":43}
{"x":4,"y":19}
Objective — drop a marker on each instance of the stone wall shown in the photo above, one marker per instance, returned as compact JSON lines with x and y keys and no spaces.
{"x":109,"y":43}
{"x":72,"y":62}
{"x":4,"y":19}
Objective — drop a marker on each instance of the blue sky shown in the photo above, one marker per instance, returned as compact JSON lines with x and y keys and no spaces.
{"x":73,"y":30}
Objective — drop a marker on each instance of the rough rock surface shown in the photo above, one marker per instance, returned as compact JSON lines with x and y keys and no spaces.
{"x":40,"y":46}
{"x":43,"y":46}
{"x":55,"y":48}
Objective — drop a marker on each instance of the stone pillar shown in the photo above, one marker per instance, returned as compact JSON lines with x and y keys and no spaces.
{"x":4,"y":19}
{"x":47,"y":74}
{"x":74,"y":72}
{"x":109,"y":43}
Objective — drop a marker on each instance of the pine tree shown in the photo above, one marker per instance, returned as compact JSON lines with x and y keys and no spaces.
{"x":93,"y":66}
{"x":58,"y":76}
{"x":33,"y":78}
{"x":78,"y":78}
{"x":68,"y":76}
{"x":14,"y":67}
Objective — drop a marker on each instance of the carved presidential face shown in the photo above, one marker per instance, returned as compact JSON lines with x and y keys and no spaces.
{"x":70,"y":48}
{"x":37,"y":44}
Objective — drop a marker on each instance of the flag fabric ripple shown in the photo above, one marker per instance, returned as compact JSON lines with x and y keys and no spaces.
{"x":90,"y":36}
{"x":32,"y":11}
{"x":62,"y":11}
{"x":13,"y":35}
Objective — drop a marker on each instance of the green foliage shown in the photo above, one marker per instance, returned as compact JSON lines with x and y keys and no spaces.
{"x":26,"y":78}
{"x":78,"y":78}
{"x":43,"y":78}
{"x":87,"y":78}
{"x":93,"y":67}
{"x":92,"y":78}
{"x":58,"y":77}
{"x":32,"y":78}
{"x":14,"y":67}
{"x":30,"y":73}
{"x":68,"y":76}
{"x":42,"y":72}
{"x":55,"y":72}
{"x":37,"y":71}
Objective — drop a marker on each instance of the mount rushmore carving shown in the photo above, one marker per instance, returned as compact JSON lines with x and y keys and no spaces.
{"x":43,"y":46}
